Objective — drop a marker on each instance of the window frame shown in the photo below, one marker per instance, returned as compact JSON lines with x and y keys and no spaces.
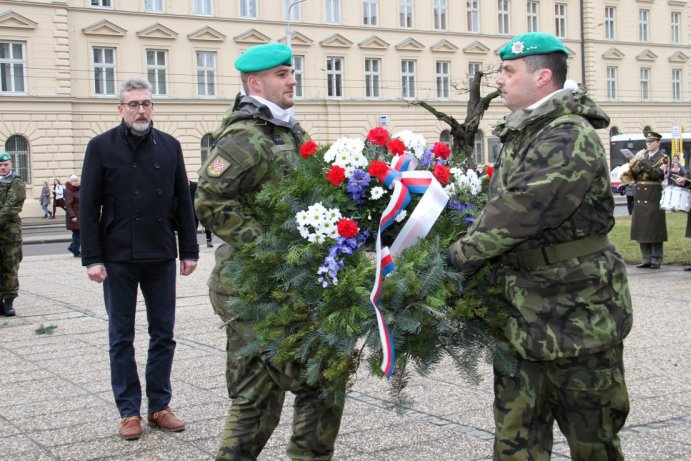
{"x":11,"y":65}
{"x":156,"y":6}
{"x":612,"y":74}
{"x":332,"y":11}
{"x":643,"y":25}
{"x":299,"y":76}
{"x":479,"y":148}
{"x":106,"y":69}
{"x":560,"y":16}
{"x":206,"y":71}
{"x":473,"y":15}
{"x":248,"y":9}
{"x":295,"y":12}
{"x":644,"y":76}
{"x":205,"y":144}
{"x":21,"y":159}
{"x":610,"y":22}
{"x":677,"y":80}
{"x":334,"y":76}
{"x":370,"y":12}
{"x":675,"y":27}
{"x":473,"y":67}
{"x":440,"y":12}
{"x":373,"y":78}
{"x":442,"y":79}
{"x":201,"y":5}
{"x":408,"y":78}
{"x":406,"y":12}
{"x":101,"y":5}
{"x":157,"y":68}
{"x":533,"y":16}
{"x":503,"y":17}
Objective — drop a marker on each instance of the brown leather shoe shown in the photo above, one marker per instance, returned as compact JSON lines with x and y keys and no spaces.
{"x":130,"y":427}
{"x":166,"y":420}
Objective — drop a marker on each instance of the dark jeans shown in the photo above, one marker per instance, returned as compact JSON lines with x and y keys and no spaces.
{"x":76,"y":243}
{"x":157,"y":282}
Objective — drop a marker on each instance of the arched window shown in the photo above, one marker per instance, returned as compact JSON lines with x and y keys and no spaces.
{"x":207,"y":141}
{"x":18,"y":147}
{"x":479,"y":148}
{"x":445,"y":137}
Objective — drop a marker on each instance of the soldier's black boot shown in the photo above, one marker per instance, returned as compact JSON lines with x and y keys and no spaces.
{"x":7,"y":308}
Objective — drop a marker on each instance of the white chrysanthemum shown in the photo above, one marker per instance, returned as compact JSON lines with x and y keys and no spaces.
{"x":301,"y":218}
{"x":333,"y":214}
{"x":401,"y":216}
{"x":318,"y":223}
{"x":377,"y":192}
{"x":346,"y":152}
{"x":414,"y":143}
{"x":468,"y":181}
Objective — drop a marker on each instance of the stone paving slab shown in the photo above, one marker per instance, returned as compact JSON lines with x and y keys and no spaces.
{"x":57,"y":403}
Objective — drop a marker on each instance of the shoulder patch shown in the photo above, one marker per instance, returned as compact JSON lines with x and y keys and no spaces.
{"x":216,"y":168}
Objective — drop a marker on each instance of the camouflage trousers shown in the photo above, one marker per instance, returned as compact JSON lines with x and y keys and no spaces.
{"x":586,"y":395}
{"x":10,"y":257}
{"x":258,"y":389}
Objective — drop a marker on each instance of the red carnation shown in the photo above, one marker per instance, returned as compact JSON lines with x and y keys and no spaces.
{"x":347,"y":228}
{"x":308,"y":148}
{"x":489,"y":170}
{"x":396,"y":146}
{"x":336,"y":175}
{"x":442,"y":174}
{"x":441,"y":150}
{"x":378,"y":168}
{"x":378,"y":136}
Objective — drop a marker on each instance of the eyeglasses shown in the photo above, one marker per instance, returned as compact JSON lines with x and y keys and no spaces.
{"x":134,"y":105}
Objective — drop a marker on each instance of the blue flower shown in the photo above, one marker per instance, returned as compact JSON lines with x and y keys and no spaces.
{"x":357,"y":186}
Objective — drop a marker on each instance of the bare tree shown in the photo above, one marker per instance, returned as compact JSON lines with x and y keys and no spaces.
{"x":463,"y":134}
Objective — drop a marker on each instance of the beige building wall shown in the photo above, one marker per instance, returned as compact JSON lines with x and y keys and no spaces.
{"x":59,"y":110}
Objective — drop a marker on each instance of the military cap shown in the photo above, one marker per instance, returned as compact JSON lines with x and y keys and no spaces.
{"x":652,"y":136}
{"x":5,"y":157}
{"x":531,"y":43}
{"x":263,"y":57}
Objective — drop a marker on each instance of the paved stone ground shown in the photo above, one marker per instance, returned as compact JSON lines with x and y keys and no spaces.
{"x":56,"y":402}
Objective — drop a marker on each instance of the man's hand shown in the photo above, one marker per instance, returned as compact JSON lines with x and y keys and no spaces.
{"x":97,"y":273}
{"x":187,"y":266}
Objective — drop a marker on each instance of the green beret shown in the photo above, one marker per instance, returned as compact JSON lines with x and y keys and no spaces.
{"x":651,"y":135}
{"x":531,"y":43}
{"x":262,"y":57}
{"x":5,"y":157}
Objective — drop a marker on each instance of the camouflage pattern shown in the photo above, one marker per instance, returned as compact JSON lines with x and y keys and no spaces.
{"x":586,"y":395}
{"x":648,"y":223}
{"x":252,"y":149}
{"x":550,"y":186}
{"x":12,"y":196}
{"x":258,"y":390}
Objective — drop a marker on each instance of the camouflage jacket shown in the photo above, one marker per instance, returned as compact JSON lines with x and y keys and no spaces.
{"x":250,"y":149}
{"x":12,"y":196}
{"x":551,"y":186}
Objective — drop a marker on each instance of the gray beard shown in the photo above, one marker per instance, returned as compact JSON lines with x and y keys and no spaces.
{"x":140,"y":128}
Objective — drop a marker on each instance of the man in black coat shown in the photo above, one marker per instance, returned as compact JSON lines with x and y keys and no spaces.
{"x":134,"y":195}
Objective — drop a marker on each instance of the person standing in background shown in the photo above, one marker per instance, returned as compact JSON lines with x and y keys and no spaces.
{"x":58,"y":196}
{"x":134,"y":196}
{"x":72,"y":216}
{"x":45,"y":200}
{"x":12,"y":196}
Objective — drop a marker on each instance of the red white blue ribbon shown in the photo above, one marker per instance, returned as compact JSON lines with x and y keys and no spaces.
{"x":404,"y":180}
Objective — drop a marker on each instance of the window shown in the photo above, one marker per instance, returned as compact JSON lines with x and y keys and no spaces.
{"x":205,"y":146}
{"x":292,"y":9}
{"x":334,"y":77}
{"x":643,"y":20}
{"x":370,"y":10}
{"x":104,"y":71}
{"x":473,"y":68}
{"x":445,"y":137}
{"x":503,"y":16}
{"x":153,"y":5}
{"x":676,"y":27}
{"x":372,"y":77}
{"x":473,"y":15}
{"x":610,"y":22}
{"x":248,"y":8}
{"x":405,"y":13}
{"x":611,"y":83}
{"x":478,"y":148}
{"x":645,"y":83}
{"x":407,"y":78}
{"x":299,"y":69}
{"x":533,"y":19}
{"x":440,"y":13}
{"x":12,"y":67}
{"x":157,"y":71}
{"x":494,"y":148}
{"x":676,"y":84}
{"x":206,"y":73}
{"x":203,"y":7}
{"x":333,"y":11}
{"x":18,"y":147}
{"x":560,"y":20}
{"x":443,"y":79}
{"x":102,"y":3}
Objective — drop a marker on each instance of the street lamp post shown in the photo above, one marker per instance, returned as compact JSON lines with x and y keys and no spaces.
{"x":289,"y":32}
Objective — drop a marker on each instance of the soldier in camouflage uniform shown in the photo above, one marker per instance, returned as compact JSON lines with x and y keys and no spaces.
{"x":12,"y":196}
{"x":255,"y":145}
{"x":546,"y":225}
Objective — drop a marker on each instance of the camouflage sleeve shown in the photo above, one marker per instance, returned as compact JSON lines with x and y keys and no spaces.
{"x":227,"y":183}
{"x":9,"y":212}
{"x":541,"y":192}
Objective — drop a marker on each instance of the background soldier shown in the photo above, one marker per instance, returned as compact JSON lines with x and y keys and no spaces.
{"x":546,"y":225}
{"x":648,"y":224}
{"x":254,"y":146}
{"x":12,"y":196}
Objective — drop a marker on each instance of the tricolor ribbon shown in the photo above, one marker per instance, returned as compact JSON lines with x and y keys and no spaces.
{"x":404,"y":180}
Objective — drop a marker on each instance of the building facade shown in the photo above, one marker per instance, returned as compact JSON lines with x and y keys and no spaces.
{"x":359,"y":63}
